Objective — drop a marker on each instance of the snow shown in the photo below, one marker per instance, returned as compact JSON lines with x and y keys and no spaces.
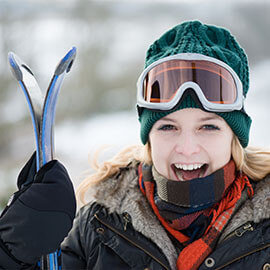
{"x":76,"y":142}
{"x":257,"y":104}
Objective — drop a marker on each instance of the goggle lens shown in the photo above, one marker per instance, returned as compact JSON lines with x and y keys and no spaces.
{"x":163,"y":81}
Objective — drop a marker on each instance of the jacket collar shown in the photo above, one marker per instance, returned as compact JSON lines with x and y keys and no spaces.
{"x":255,"y":209}
{"x":121,"y":194}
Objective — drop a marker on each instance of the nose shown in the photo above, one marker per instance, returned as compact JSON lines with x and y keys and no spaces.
{"x":187,"y":144}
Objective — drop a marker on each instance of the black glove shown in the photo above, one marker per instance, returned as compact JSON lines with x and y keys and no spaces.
{"x":39,"y":215}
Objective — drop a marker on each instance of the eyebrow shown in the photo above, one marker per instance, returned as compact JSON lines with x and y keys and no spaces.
{"x":212,"y":117}
{"x":167,"y":118}
{"x":202,"y":119}
{"x":206,"y":118}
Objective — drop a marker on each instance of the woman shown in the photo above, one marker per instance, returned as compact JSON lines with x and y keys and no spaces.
{"x":195,"y":196}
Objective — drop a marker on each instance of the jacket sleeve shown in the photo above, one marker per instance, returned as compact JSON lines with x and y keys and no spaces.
{"x":73,"y":247}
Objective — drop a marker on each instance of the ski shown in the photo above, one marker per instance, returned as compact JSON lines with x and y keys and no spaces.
{"x":33,"y":95}
{"x":42,"y":111}
{"x":48,"y":113}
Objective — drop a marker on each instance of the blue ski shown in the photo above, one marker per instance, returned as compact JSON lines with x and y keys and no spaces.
{"x":48,"y":113}
{"x":33,"y":95}
{"x":43,"y":114}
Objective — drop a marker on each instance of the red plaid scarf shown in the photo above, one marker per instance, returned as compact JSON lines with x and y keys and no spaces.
{"x":193,"y":254}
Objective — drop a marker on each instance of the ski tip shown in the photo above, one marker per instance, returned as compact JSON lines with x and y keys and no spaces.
{"x":15,"y":64}
{"x":66,"y":62}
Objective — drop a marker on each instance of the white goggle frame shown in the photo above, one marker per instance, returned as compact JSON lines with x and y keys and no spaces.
{"x":209,"y":106}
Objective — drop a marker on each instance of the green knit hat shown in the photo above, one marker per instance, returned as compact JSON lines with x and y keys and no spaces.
{"x":209,"y":40}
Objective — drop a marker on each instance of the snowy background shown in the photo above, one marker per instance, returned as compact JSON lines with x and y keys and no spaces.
{"x":96,"y":105}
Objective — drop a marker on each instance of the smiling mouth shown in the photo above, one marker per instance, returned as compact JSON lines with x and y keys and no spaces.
{"x":185,"y":173}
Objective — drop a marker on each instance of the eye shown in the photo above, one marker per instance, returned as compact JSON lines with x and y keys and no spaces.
{"x":166,"y":127}
{"x":210,"y":127}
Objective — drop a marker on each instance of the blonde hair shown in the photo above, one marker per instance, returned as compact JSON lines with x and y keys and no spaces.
{"x":111,"y":167}
{"x":252,"y":161}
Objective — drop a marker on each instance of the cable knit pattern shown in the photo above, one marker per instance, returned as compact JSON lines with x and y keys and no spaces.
{"x":209,"y":40}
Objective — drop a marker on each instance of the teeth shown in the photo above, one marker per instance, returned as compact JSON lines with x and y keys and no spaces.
{"x":189,"y":167}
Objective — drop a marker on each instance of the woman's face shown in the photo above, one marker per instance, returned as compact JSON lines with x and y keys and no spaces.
{"x":190,"y":143}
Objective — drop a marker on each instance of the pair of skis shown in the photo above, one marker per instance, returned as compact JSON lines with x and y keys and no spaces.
{"x":42,"y":112}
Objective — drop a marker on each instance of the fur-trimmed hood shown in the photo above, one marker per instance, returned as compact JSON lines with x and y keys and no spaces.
{"x":121,"y":194}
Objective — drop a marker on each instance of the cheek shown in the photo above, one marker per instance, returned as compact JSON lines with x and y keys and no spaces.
{"x":220,"y":153}
{"x":160,"y":152}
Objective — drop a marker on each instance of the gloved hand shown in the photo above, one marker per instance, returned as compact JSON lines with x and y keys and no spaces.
{"x":39,"y":215}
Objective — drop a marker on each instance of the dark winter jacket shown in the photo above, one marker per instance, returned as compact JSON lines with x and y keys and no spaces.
{"x":120,"y":231}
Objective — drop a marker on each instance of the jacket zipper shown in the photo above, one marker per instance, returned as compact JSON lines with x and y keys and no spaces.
{"x":240,"y":231}
{"x":132,"y":242}
{"x":126,"y":218}
{"x":249,"y":253}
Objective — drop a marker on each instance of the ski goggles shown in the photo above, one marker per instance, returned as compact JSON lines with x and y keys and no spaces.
{"x":162,"y":84}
